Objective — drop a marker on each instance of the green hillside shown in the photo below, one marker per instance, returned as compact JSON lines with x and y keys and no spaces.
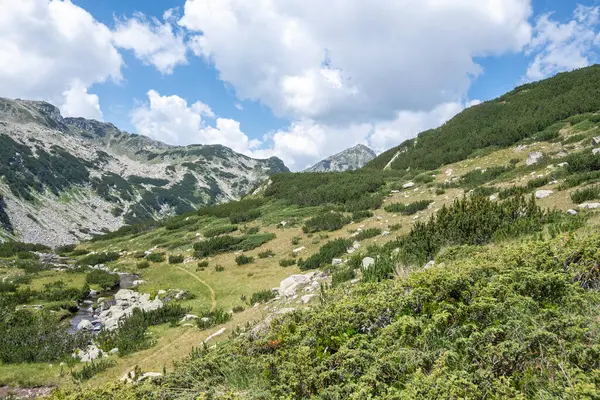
{"x":533,"y":110}
{"x":475,"y":279}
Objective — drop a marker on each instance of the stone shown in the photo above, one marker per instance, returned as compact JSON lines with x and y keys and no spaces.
{"x":430,"y":264}
{"x":571,"y":212}
{"x":448,"y":172}
{"x":596,"y":150}
{"x":114,"y":351}
{"x":337,"y":261}
{"x":596,"y":139}
{"x":408,"y":185}
{"x":217,"y":333}
{"x":85,"y":325}
{"x":289,"y":285}
{"x":298,"y":250}
{"x":367,"y":262}
{"x":563,"y":164}
{"x":306,"y":298}
{"x":534,"y":157}
{"x":542,"y":194}
{"x":162,"y":292}
{"x":91,"y":353}
{"x":149,"y":376}
{"x":493,"y":197}
{"x":355,"y":281}
{"x":385,"y":233}
{"x":188,"y":317}
{"x":589,"y":206}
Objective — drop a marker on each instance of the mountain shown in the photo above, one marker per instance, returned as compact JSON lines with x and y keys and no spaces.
{"x":65,"y":179}
{"x":529,"y":111}
{"x":348,"y":160}
{"x":401,"y":284}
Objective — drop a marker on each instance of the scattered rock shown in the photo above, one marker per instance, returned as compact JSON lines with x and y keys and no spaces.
{"x":337,"y":261}
{"x":563,"y":164}
{"x":408,"y":185}
{"x":430,"y":264}
{"x":542,"y":194}
{"x":589,"y":206}
{"x":493,"y":197}
{"x":571,"y":212}
{"x":125,"y":302}
{"x":534,"y":157}
{"x":448,"y":172}
{"x":217,"y":333}
{"x":306,"y":298}
{"x":85,"y":325}
{"x":385,"y":233}
{"x":91,"y":353}
{"x":298,"y":250}
{"x":596,"y":139}
{"x":596,"y":151}
{"x":367,"y":262}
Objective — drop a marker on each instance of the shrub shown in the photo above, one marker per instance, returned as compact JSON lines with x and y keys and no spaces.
{"x":224,"y":244}
{"x":209,"y":233}
{"x":512,"y":191}
{"x":395,"y":227}
{"x":238,"y":309}
{"x":244,"y":216}
{"x":10,"y":249}
{"x":143,"y":264}
{"x":66,"y":249}
{"x":252,"y":230}
{"x":586,"y":194}
{"x":342,"y":275}
{"x":326,"y":253}
{"x":243,"y":260}
{"x":89,"y":370}
{"x":176,"y":258}
{"x":219,"y":268}
{"x":287,"y":262}
{"x":329,"y":221}
{"x":440,"y":191}
{"x":156,"y":257}
{"x":104,"y":279}
{"x":266,"y":254}
{"x":368,"y":233}
{"x":296,"y":240}
{"x":213,"y":318}
{"x":262,"y":297}
{"x":408,"y":209}
{"x":202,"y":264}
{"x":538,"y":182}
{"x":99,"y":258}
{"x":359,"y":216}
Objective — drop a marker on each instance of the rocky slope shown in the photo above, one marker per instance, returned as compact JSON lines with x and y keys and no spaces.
{"x":348,"y":160}
{"x":64,"y":179}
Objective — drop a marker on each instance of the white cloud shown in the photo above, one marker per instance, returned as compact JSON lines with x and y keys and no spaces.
{"x":152,"y":42}
{"x":79,"y":103}
{"x":54,"y":51}
{"x":171,"y":120}
{"x":566,"y":46}
{"x":353,"y":61}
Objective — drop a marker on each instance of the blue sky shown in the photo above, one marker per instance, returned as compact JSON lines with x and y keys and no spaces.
{"x":290,"y":79}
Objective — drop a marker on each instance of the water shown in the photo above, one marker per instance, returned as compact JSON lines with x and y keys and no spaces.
{"x":85,"y":313}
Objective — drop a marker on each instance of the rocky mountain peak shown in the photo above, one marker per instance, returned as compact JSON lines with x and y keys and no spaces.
{"x":350,"y":159}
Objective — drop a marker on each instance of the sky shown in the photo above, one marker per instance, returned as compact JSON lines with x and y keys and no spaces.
{"x":296,"y":79}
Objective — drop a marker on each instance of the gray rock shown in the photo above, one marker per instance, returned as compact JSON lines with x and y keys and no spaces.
{"x":350,"y":159}
{"x":596,"y":151}
{"x":542,"y":194}
{"x":596,"y":139}
{"x":408,"y":185}
{"x":430,"y":264}
{"x":589,"y":206}
{"x":534,"y":158}
{"x":367,"y":262}
{"x":85,"y":325}
{"x":571,"y":212}
{"x":306,"y":298}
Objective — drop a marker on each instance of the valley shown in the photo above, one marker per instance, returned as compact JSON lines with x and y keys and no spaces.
{"x":468,"y":276}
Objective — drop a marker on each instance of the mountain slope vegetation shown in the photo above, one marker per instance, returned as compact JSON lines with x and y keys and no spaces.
{"x":534,"y":109}
{"x":475,"y":279}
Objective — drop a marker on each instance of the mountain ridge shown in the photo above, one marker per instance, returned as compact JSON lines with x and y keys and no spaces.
{"x":350,"y":159}
{"x":68,"y":178}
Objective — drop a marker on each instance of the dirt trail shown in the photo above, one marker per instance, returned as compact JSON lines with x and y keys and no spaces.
{"x":213,"y":298}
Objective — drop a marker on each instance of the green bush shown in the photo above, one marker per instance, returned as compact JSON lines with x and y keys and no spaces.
{"x":224,"y":244}
{"x":586,"y":194}
{"x":327,"y":252}
{"x":287,"y":262}
{"x":238,"y":309}
{"x":219,"y":268}
{"x":328,"y":221}
{"x":10,"y":249}
{"x":143,"y":264}
{"x":213,"y":318}
{"x":368,"y":233}
{"x":89,"y":370}
{"x":209,"y":233}
{"x":243,"y":260}
{"x":156,"y":257}
{"x":408,"y":209}
{"x":342,"y":275}
{"x":99,"y":258}
{"x":104,"y":279}
{"x":244,"y":216}
{"x":176,"y":258}
{"x":266,"y":254}
{"x":359,"y":216}
{"x":262,"y":297}
{"x":202,"y":264}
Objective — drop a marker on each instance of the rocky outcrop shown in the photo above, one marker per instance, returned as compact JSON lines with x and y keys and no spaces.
{"x":125,"y":302}
{"x":348,"y":160}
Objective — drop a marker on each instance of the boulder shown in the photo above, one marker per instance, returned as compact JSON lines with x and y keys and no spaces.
{"x":596,"y":139}
{"x":288,"y":286}
{"x":217,"y":333}
{"x":534,"y":157}
{"x":408,"y":185}
{"x":306,"y":298}
{"x":149,"y":376}
{"x":596,"y":150}
{"x":337,"y":261}
{"x":85,"y":325}
{"x":385,"y":233}
{"x":430,"y":264}
{"x":542,"y":194}
{"x":571,"y":212}
{"x":91,"y":353}
{"x":367,"y":262}
{"x":589,"y":206}
{"x":298,"y":250}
